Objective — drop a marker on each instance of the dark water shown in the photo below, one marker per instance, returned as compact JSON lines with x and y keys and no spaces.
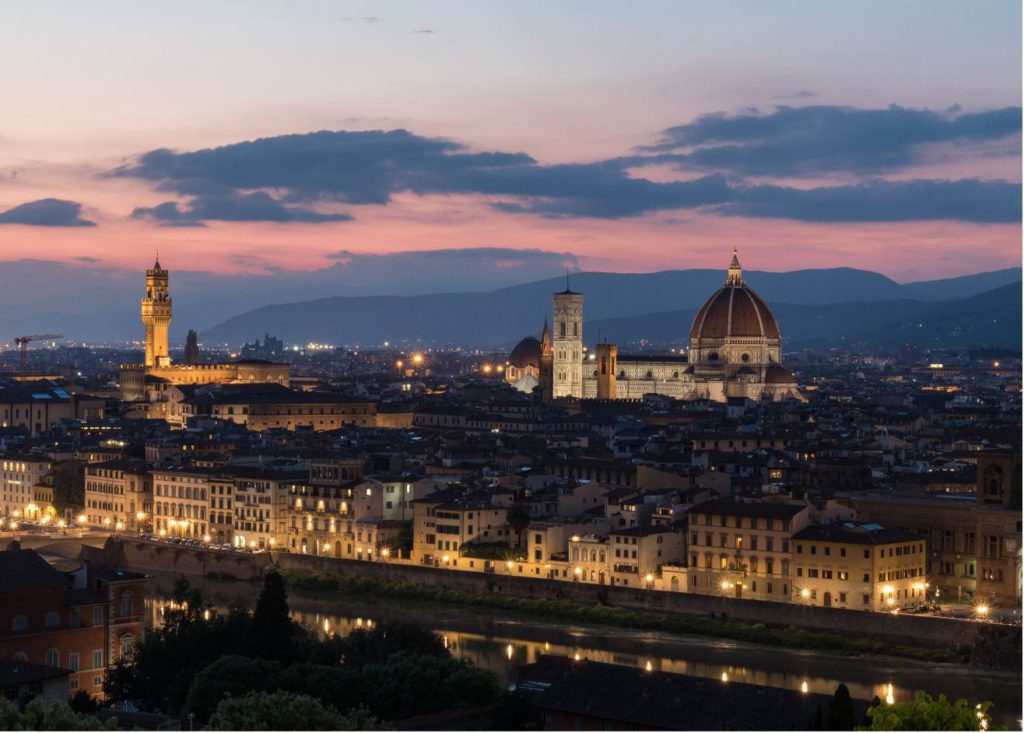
{"x":503,"y":642}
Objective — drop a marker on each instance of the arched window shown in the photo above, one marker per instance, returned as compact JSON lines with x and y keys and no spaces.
{"x":52,"y":657}
{"x":126,"y":642}
{"x":52,"y":618}
{"x":19,"y":623}
{"x":745,"y":357}
{"x":20,"y":657}
{"x":650,"y":374}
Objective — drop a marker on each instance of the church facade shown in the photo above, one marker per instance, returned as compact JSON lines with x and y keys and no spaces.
{"x":734,"y":351}
{"x":148,"y":381}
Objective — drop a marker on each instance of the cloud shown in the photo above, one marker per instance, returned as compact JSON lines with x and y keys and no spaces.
{"x":817,"y":140}
{"x":290,"y":177}
{"x":87,"y":260}
{"x":964,"y":200}
{"x":426,"y":31}
{"x":46,"y":213}
{"x":231,"y":206}
{"x":801,"y":94}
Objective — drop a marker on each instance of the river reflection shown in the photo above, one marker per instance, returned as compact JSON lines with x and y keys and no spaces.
{"x":502,"y":644}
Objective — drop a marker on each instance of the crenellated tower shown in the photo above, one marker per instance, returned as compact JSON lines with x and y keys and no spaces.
{"x":156,"y":316}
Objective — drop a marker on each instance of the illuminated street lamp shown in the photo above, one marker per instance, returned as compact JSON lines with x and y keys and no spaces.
{"x":981,"y":610}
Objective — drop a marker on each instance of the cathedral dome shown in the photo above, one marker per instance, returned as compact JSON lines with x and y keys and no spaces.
{"x":526,"y":354}
{"x":734,"y":311}
{"x":776,"y":374}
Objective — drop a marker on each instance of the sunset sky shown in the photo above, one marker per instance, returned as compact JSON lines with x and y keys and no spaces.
{"x":626,"y":136}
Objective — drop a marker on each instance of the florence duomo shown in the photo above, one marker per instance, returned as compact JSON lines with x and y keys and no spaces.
{"x":734,"y":351}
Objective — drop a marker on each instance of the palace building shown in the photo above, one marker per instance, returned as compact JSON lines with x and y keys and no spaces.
{"x":148,"y":381}
{"x":734,"y":351}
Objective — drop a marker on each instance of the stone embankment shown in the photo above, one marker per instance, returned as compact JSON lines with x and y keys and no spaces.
{"x":897,"y":629}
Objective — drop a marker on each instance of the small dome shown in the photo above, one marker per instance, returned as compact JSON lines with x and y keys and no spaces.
{"x":526,"y":354}
{"x":734,"y":311}
{"x":776,"y":374}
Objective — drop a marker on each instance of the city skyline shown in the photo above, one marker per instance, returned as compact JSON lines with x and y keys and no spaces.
{"x":261,"y":142}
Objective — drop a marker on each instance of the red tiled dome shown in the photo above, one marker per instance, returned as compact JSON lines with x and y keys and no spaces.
{"x":734,"y":310}
{"x":526,"y":354}
{"x":776,"y":374}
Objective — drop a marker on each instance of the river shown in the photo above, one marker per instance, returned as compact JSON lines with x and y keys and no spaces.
{"x":502,"y":642}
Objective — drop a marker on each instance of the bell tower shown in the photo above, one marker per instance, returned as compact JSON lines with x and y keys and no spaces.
{"x":567,"y":344}
{"x":156,"y":316}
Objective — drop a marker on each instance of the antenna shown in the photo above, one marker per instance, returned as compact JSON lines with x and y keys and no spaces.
{"x":567,"y":279}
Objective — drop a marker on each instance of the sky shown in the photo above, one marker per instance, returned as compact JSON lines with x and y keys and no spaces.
{"x":257,"y":137}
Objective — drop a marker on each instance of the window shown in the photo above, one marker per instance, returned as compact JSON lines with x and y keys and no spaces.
{"x":52,"y":657}
{"x":97,"y":657}
{"x":19,"y":623}
{"x":52,"y":619}
{"x":74,"y":661}
{"x":125,"y":645}
{"x":842,"y":552}
{"x":97,"y":616}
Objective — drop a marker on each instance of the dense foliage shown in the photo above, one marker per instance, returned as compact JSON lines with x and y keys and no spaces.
{"x":927,"y":713}
{"x":52,"y":716}
{"x":200,"y":660}
{"x":286,"y":711}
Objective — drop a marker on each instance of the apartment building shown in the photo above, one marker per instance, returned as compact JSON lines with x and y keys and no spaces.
{"x":181,"y":502}
{"x":119,"y":495}
{"x":446,"y":520}
{"x":20,"y":473}
{"x":743,"y":549}
{"x":863,"y":567}
{"x":261,"y":505}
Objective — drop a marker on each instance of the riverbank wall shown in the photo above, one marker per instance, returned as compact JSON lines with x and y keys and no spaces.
{"x":897,"y":629}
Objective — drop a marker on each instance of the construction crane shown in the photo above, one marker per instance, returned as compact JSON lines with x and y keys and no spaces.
{"x":22,"y":343}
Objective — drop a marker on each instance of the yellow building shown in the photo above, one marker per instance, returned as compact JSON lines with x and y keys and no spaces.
{"x":181,"y":502}
{"x":862,"y":567}
{"x":118,"y":495}
{"x":147,"y":381}
{"x":20,"y":473}
{"x":743,"y":549}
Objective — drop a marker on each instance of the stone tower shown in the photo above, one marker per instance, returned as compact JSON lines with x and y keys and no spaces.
{"x":607,"y":363}
{"x":192,"y":347}
{"x":546,"y":363}
{"x":156,"y":316}
{"x":567,"y":344}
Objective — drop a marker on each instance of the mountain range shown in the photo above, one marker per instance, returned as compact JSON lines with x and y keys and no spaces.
{"x":336,"y":304}
{"x":813,"y":307}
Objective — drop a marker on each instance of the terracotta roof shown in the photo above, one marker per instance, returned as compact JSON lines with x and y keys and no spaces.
{"x":734,"y":311}
{"x":526,"y":353}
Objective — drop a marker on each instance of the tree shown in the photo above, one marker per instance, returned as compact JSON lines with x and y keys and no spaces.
{"x":841,"y":715}
{"x":229,"y":676}
{"x":270,"y":633}
{"x":518,"y":517}
{"x":362,"y":647}
{"x":69,"y":485}
{"x":926,"y":713}
{"x":286,"y":711}
{"x":83,"y":702}
{"x":54,"y":716}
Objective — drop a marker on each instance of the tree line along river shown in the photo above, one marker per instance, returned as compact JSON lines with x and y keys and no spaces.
{"x":503,"y":642}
